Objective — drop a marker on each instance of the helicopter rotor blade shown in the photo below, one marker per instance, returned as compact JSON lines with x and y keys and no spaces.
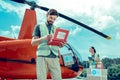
{"x":77,"y":22}
{"x":83,"y":25}
{"x":19,"y":1}
{"x":32,"y":3}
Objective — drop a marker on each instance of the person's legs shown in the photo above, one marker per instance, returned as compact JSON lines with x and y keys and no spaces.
{"x":41,"y":68}
{"x":54,"y":68}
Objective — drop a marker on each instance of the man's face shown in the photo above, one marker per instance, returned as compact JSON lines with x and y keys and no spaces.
{"x":51,"y":18}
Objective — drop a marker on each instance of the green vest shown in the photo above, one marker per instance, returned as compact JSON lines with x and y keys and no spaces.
{"x":44,"y":49}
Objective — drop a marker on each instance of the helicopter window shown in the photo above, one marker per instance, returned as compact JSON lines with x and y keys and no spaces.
{"x":67,"y":49}
{"x":67,"y":59}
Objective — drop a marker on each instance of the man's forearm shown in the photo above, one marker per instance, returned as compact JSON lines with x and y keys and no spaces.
{"x":37,"y":41}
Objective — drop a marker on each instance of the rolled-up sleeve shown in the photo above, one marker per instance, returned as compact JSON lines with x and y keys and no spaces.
{"x":36,"y":31}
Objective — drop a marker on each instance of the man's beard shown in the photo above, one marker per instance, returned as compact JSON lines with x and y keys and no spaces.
{"x":50,"y":22}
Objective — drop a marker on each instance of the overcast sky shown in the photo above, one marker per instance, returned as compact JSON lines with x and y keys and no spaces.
{"x":102,"y":15}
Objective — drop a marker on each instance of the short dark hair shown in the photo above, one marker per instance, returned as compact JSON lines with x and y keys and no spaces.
{"x":52,"y":12}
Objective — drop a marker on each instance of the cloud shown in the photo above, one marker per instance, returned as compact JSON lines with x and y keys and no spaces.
{"x":60,"y":21}
{"x":118,"y":35}
{"x":12,"y":33}
{"x":74,"y":5}
{"x":103,"y":57}
{"x":100,"y":11}
{"x":75,"y":31}
{"x":19,"y":10}
{"x":6,"y":34}
{"x":103,"y":22}
{"x":15,"y":30}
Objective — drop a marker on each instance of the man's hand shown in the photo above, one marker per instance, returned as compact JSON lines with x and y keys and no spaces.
{"x":48,"y":37}
{"x":62,"y":44}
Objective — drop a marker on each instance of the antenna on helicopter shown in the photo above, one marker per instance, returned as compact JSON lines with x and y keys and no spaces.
{"x":13,"y":33}
{"x":34,"y":5}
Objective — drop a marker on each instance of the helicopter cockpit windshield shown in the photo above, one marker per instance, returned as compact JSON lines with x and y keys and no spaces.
{"x":71,"y":57}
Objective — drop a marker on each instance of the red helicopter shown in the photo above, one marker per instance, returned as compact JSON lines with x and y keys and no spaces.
{"x":17,"y":56}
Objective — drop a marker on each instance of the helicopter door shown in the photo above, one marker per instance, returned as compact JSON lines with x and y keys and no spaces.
{"x":67,"y":59}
